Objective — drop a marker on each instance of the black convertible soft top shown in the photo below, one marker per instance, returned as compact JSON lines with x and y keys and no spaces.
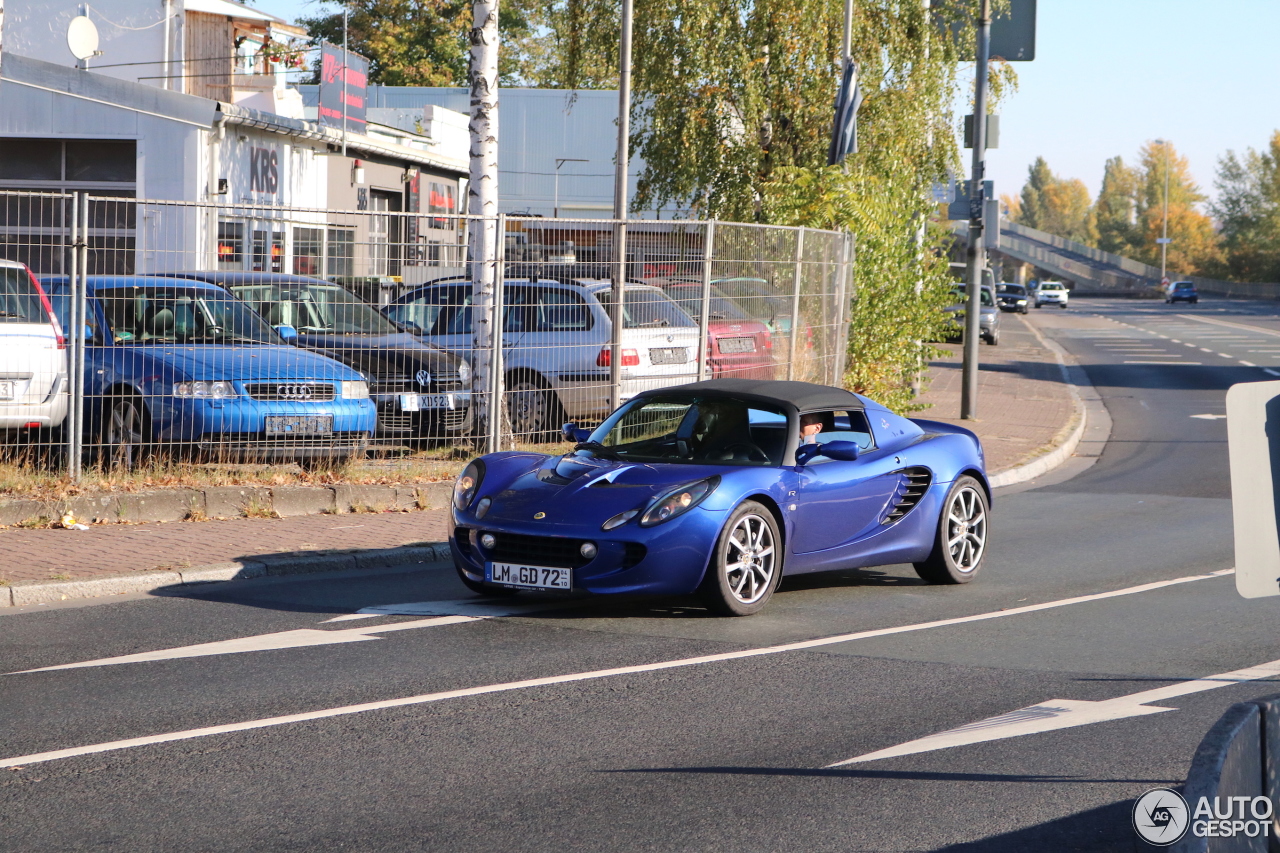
{"x":804,"y":396}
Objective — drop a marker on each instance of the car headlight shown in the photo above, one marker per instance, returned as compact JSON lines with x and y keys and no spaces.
{"x":220,"y":390}
{"x":464,"y":373}
{"x":677,"y":501}
{"x":464,"y":490}
{"x":355,"y":389}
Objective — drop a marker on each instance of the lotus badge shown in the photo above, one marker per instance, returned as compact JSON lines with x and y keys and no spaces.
{"x":538,"y":516}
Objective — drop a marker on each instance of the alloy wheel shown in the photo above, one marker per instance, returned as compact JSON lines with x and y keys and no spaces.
{"x":966,"y":529}
{"x":124,"y":435}
{"x":751,"y":559}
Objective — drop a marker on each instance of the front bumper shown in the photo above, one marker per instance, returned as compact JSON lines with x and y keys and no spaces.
{"x":236,"y":428}
{"x":668,"y":559}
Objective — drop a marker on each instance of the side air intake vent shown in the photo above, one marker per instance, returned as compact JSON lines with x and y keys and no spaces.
{"x":911,"y":488}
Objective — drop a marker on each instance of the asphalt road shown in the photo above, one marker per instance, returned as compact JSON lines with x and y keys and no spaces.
{"x":714,"y":740}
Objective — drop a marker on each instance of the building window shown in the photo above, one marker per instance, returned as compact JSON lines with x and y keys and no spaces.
{"x":308,"y":249}
{"x":230,"y":245}
{"x":268,"y":251}
{"x":342,"y":252}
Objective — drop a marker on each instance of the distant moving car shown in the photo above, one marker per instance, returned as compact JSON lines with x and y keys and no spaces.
{"x":421,"y":391}
{"x":33,"y":354}
{"x":556,"y":352}
{"x":1181,"y":291}
{"x":1052,"y":293}
{"x":737,"y":346}
{"x":711,"y":487}
{"x":1012,"y":297}
{"x":185,"y":365}
{"x":988,"y":322}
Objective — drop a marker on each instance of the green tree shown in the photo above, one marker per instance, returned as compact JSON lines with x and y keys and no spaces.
{"x":425,"y":42}
{"x":1056,"y":206}
{"x":1115,"y":211}
{"x":1248,"y":211}
{"x":1194,"y":244}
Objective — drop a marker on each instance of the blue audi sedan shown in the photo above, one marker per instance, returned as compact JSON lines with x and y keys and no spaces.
{"x":186,"y":367}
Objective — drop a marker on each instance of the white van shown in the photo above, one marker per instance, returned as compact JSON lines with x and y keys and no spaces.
{"x":33,"y":354}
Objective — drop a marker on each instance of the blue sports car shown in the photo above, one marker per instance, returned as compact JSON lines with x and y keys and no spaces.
{"x":720,"y":488}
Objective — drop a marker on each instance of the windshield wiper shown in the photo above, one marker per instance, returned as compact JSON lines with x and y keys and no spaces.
{"x":598,"y":449}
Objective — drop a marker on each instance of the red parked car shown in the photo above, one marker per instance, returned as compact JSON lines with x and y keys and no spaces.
{"x":738,"y":346}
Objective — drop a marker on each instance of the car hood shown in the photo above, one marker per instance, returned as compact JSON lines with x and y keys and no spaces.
{"x":574,"y":490}
{"x":382,"y":356}
{"x":210,"y":361}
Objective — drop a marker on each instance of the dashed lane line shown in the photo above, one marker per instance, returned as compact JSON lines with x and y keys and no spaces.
{"x":346,"y":710}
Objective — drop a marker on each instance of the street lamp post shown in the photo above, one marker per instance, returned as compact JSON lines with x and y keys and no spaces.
{"x":560,"y":161}
{"x":1164,"y":225}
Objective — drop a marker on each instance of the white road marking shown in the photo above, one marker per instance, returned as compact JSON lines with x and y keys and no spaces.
{"x":1248,"y":328}
{"x":1179,"y":363}
{"x":1247,"y":363}
{"x":248,"y":725}
{"x":1067,"y":713}
{"x":1223,"y":355}
{"x":264,"y":642}
{"x":1272,"y":372}
{"x":1210,"y":417}
{"x":1202,"y":349}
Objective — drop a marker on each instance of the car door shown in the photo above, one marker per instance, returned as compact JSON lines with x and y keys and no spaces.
{"x":838,"y":502}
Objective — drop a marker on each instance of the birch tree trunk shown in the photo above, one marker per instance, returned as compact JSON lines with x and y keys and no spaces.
{"x":483,"y":205}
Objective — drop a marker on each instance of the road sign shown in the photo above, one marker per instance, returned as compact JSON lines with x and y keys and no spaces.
{"x":1164,"y":282}
{"x":1013,"y":33}
{"x":1163,"y":240}
{"x":1253,"y":445}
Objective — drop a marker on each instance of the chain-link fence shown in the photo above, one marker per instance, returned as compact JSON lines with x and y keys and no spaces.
{"x":164,"y":332}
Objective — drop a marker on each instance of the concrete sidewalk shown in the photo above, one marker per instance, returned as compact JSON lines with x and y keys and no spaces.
{"x":1025,"y":410}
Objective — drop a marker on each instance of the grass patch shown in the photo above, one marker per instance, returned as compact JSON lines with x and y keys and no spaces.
{"x":258,"y":508}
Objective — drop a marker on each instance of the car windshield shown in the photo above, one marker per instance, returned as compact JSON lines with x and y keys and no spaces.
{"x":1051,"y":285}
{"x":985,"y":296}
{"x":160,"y":315}
{"x":719,"y":307}
{"x":687,"y":429}
{"x":1184,"y":285}
{"x":646,"y":308}
{"x":314,"y":309}
{"x":19,"y":300}
{"x":1013,"y":289}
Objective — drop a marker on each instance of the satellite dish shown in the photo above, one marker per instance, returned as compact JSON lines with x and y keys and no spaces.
{"x":82,"y":37}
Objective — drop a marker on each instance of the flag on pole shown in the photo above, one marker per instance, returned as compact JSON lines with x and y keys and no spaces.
{"x":844,"y":133}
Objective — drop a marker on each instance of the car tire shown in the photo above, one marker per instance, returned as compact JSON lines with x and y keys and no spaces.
{"x":1022,"y":310}
{"x":125,"y":434}
{"x":953,"y":559}
{"x":1194,"y":301}
{"x":532,"y":407}
{"x":751,"y":542}
{"x":1062,"y":305}
{"x":482,"y":588}
{"x":1038,"y":305}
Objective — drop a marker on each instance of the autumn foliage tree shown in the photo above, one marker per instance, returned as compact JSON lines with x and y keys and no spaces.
{"x":1194,"y":243}
{"x":1248,"y":210}
{"x":1055,"y":205}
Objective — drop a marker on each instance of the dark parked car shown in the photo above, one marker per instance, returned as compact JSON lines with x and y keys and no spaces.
{"x":420,"y":390}
{"x":1012,"y":297}
{"x":1182,"y":291}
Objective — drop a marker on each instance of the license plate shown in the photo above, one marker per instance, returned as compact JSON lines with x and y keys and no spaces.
{"x":8,"y":389}
{"x":737,"y":345}
{"x":669,"y":355}
{"x":299,"y":424}
{"x":418,"y":402}
{"x":531,"y":577}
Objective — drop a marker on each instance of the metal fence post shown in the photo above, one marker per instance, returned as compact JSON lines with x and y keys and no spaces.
{"x":75,"y":353}
{"x":497,"y":385}
{"x":616,"y":317}
{"x":795,"y":305}
{"x":704,"y":313}
{"x":843,"y":269}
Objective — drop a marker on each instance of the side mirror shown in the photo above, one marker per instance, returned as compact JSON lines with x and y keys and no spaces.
{"x":575,"y":433}
{"x":843,"y":451}
{"x":287,"y":333}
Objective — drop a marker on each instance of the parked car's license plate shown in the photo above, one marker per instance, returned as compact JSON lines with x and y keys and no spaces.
{"x":737,"y":345}
{"x":669,"y":355}
{"x":299,"y":424}
{"x":8,"y":389}
{"x":533,"y":577}
{"x":417,"y":402}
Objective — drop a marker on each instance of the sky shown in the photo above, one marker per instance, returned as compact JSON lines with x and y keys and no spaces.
{"x":1110,"y":75}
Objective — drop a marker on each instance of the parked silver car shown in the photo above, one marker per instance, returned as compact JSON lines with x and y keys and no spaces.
{"x":555,"y":337}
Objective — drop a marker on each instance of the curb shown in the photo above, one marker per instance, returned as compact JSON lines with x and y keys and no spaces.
{"x":47,"y":592}
{"x":183,"y":504}
{"x":1093,"y":423}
